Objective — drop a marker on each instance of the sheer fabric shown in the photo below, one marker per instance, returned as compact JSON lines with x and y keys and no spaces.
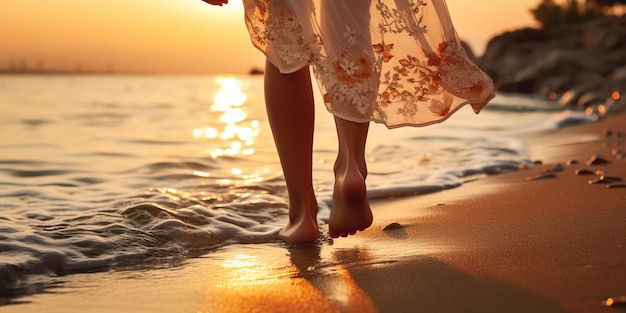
{"x":397,"y":62}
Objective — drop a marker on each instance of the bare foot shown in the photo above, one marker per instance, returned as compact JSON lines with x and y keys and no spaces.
{"x":350,"y":210}
{"x":301,"y":228}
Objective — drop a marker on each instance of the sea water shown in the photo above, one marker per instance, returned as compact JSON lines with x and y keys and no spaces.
{"x":98,"y":172}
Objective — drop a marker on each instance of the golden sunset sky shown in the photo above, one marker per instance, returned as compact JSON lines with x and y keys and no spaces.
{"x":178,"y":36}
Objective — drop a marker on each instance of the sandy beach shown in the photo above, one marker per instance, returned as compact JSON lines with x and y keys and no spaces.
{"x":505,"y":243}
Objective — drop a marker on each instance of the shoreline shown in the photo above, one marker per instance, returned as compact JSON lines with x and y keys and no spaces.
{"x":559,"y":238}
{"x":499,"y":244}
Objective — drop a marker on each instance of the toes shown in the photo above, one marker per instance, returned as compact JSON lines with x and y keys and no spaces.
{"x":344,"y":233}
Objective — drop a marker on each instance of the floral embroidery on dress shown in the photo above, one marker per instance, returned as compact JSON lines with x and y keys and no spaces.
{"x":283,"y":33}
{"x":458,"y":74}
{"x":349,"y":70}
{"x":409,"y":81}
{"x":349,"y":81}
{"x":447,"y":67}
{"x":351,"y":35}
{"x":439,"y":107}
{"x":384,"y":51}
{"x":394,"y":20}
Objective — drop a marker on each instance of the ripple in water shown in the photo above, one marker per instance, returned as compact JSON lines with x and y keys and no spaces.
{"x":159,"y":225}
{"x":135,"y":171}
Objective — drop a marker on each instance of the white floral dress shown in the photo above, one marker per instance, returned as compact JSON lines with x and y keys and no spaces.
{"x":397,"y":62}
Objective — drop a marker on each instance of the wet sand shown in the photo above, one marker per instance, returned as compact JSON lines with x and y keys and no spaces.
{"x":500,"y":244}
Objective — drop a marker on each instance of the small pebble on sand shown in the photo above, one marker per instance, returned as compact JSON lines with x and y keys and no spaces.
{"x":605,"y":180}
{"x":557,"y":168}
{"x":583,"y":172}
{"x":612,"y":179}
{"x":607,"y":132}
{"x":391,"y":226}
{"x":571,"y":162}
{"x":616,"y":186}
{"x":615,"y":302}
{"x":597,"y":160}
{"x":616,"y":134}
{"x":545,"y":175}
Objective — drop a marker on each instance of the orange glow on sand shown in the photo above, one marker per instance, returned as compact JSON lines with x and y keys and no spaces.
{"x":247,"y":281}
{"x":616,"y":95}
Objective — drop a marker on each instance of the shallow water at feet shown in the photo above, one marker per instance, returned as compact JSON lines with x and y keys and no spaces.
{"x":111,"y":171}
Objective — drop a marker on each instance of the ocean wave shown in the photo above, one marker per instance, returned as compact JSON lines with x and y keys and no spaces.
{"x":146,"y":192}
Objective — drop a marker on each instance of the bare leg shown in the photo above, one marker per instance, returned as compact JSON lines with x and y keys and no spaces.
{"x":291,"y":113}
{"x":350,"y":209}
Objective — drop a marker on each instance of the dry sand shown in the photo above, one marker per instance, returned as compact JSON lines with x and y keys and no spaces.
{"x":500,"y":244}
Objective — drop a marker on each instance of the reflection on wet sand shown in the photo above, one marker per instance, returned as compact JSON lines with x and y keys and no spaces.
{"x":351,"y":276}
{"x":250,"y":282}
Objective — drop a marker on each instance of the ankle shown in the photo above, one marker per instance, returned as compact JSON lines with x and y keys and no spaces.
{"x":303,"y":208}
{"x":344,"y":166}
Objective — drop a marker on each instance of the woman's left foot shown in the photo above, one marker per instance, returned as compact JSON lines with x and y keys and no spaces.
{"x":350,"y":210}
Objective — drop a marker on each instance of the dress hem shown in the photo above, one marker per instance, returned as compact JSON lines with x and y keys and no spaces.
{"x":290,"y":70}
{"x":438,"y":121}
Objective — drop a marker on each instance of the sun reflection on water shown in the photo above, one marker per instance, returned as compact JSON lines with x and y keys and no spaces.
{"x":237,"y":135}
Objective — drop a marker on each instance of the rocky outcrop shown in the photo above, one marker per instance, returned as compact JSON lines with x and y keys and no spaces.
{"x":580,"y":65}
